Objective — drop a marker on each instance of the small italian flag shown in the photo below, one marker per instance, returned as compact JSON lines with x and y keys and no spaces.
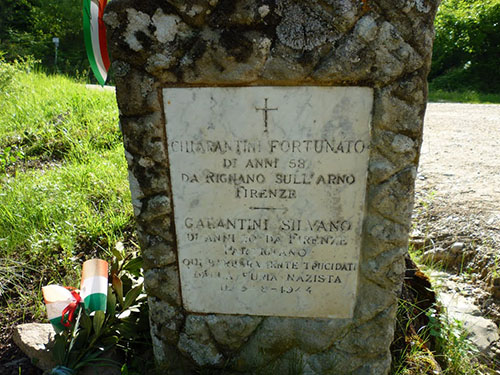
{"x":63,"y":303}
{"x":94,"y":286}
{"x":57,"y":298}
{"x":94,"y":33}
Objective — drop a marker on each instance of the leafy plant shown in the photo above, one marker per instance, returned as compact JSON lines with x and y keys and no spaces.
{"x":9,"y":70}
{"x":463,"y":96}
{"x":454,"y":351}
{"x":105,"y":338}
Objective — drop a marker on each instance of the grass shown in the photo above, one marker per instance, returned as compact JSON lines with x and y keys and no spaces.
{"x":411,"y":354}
{"x":54,"y":118}
{"x":428,"y":341}
{"x":63,"y":186}
{"x":470,"y":96}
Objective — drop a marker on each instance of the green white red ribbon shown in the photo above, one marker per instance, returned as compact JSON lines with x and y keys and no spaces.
{"x":62,"y":303}
{"x":94,"y":33}
{"x":94,"y":286}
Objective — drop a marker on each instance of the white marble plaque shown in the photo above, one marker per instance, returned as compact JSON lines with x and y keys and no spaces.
{"x":268,"y":190}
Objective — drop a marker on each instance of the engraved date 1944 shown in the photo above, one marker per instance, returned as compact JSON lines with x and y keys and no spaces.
{"x":268,"y":289}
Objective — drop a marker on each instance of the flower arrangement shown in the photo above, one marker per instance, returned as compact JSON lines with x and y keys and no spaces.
{"x":105,"y":314}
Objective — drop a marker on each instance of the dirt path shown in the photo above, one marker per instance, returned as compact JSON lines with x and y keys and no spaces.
{"x":458,"y":184}
{"x":456,"y":221}
{"x":460,"y":155}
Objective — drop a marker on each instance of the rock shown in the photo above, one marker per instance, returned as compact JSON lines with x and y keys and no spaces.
{"x":197,"y":342}
{"x":35,"y":339}
{"x":438,"y":255}
{"x":418,"y":243}
{"x":231,"y":331}
{"x":495,"y":288}
{"x":482,"y":332}
{"x":160,"y":45}
{"x":457,"y":247}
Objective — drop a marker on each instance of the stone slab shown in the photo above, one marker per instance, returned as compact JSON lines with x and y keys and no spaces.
{"x":385,"y":45}
{"x":36,"y":340}
{"x":269,"y":196}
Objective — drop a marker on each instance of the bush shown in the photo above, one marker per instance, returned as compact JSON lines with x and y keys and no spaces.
{"x":27,"y":28}
{"x":467,"y":46}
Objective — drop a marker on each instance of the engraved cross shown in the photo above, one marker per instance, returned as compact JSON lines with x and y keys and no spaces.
{"x":265,"y":110}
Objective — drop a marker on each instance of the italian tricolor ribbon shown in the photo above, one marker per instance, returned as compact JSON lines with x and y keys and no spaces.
{"x":94,"y":285}
{"x":94,"y":34}
{"x":62,"y":303}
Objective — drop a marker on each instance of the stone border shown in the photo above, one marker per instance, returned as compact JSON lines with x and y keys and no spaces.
{"x":384,"y":44}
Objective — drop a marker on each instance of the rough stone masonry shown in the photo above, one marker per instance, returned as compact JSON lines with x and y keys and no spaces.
{"x":381,"y":44}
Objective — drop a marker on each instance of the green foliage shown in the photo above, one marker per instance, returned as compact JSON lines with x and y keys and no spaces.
{"x":28,"y":26}
{"x":441,"y":345}
{"x":455,"y":352}
{"x":54,"y":117}
{"x":65,"y":198}
{"x":63,"y":185}
{"x":10,"y":73}
{"x":45,"y":212}
{"x":468,"y":96}
{"x":62,"y":171}
{"x":7,"y":74}
{"x":467,"y":46}
{"x":93,"y":338}
{"x":8,"y":157}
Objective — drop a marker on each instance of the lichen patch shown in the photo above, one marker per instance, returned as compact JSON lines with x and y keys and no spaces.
{"x":167,"y":26}
{"x":137,"y":21}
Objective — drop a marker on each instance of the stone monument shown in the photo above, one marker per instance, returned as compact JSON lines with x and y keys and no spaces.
{"x":272,"y":150}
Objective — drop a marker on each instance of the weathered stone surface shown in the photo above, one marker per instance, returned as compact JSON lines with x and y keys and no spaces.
{"x":387,"y":198}
{"x":139,"y":94}
{"x":482,"y":332}
{"x":382,"y":229}
{"x":35,"y":340}
{"x":196,"y":342}
{"x":230,"y":332}
{"x":363,"y":335}
{"x":380,"y":169}
{"x":163,"y":284}
{"x":158,"y":251}
{"x":375,"y":300}
{"x":171,"y":318}
{"x":385,"y":45}
{"x":148,"y":148}
{"x":276,"y":336}
{"x":387,"y":268}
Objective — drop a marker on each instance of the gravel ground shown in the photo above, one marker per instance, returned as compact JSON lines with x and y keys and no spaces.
{"x":460,"y":155}
{"x":458,"y":184}
{"x":457,"y":206}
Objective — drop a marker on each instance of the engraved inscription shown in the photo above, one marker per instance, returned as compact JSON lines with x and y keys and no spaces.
{"x":269,"y":223}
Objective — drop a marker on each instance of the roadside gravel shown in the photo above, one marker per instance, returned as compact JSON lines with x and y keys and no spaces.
{"x":460,"y":155}
{"x":456,"y":220}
